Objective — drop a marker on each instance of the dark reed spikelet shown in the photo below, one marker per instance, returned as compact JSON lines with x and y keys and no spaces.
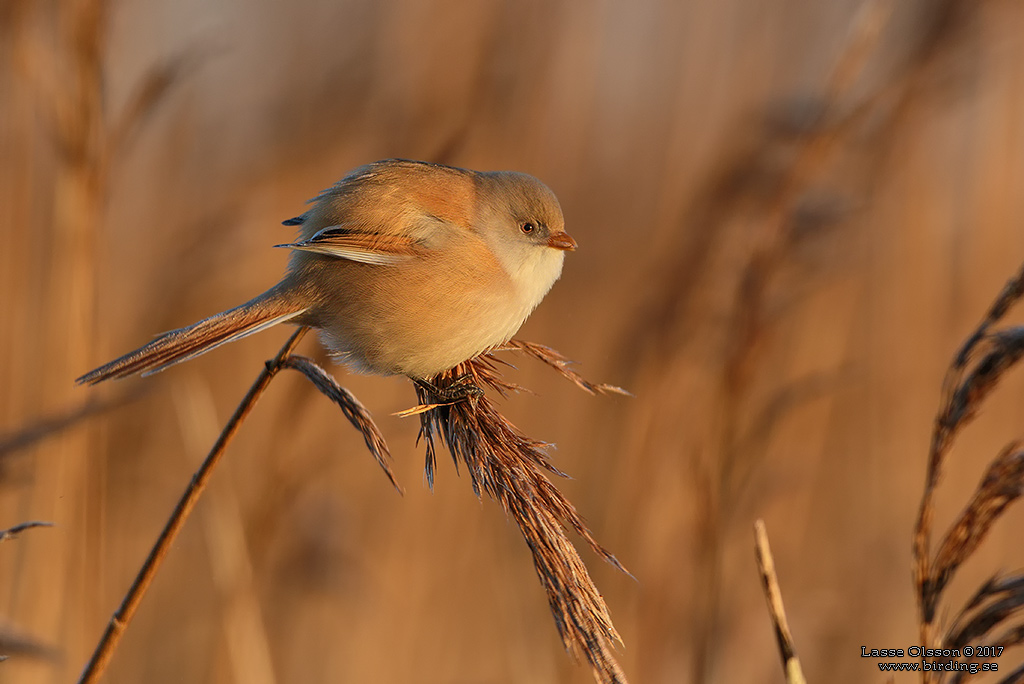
{"x":1003,"y":483}
{"x":350,"y":406}
{"x":511,"y":468}
{"x":992,"y":617}
{"x":995,"y":602}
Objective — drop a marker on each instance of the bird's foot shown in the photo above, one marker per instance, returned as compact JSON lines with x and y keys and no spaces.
{"x":460,"y":389}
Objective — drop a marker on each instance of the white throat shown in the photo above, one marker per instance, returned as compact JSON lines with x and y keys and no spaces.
{"x":533,"y":270}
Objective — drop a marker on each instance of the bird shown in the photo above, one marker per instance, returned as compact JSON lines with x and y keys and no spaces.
{"x":404,"y":267}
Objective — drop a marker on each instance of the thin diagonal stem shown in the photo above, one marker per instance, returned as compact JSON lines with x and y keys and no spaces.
{"x":773,"y":594}
{"x":123,"y":615}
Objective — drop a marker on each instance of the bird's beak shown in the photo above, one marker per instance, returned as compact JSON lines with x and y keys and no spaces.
{"x":562,"y":241}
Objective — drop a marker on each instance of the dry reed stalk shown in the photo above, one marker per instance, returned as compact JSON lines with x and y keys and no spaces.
{"x":976,"y":369}
{"x":511,"y":468}
{"x":773,"y":595}
{"x":124,"y":613}
{"x":354,"y":411}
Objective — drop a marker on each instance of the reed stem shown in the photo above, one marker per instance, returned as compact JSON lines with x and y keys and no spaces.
{"x":123,"y":615}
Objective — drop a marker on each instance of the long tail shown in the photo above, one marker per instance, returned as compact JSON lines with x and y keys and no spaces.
{"x":273,"y":307}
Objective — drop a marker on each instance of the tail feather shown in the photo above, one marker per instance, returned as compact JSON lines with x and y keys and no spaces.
{"x":187,"y":343}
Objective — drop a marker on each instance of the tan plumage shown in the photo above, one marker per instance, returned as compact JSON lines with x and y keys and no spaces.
{"x":404,"y":267}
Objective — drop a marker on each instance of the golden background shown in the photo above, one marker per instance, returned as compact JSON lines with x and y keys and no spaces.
{"x":789,"y":213}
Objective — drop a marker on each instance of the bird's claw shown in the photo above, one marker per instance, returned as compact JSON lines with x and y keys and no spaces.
{"x":460,"y":389}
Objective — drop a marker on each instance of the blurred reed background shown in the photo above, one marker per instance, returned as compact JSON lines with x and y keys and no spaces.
{"x":790,"y":214}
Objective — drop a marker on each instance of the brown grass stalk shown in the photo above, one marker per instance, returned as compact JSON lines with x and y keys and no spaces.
{"x":353,"y":410}
{"x":777,"y":611}
{"x":512,"y":469}
{"x":124,"y":613}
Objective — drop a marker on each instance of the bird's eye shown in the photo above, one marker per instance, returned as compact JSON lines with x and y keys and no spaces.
{"x":527,"y":228}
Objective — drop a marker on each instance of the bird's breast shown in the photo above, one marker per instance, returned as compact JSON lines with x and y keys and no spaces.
{"x":424,"y":316}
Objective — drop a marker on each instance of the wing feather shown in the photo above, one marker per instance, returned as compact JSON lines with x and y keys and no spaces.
{"x":367,"y":248}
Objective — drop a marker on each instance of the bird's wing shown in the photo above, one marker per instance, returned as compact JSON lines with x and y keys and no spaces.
{"x":368,"y":248}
